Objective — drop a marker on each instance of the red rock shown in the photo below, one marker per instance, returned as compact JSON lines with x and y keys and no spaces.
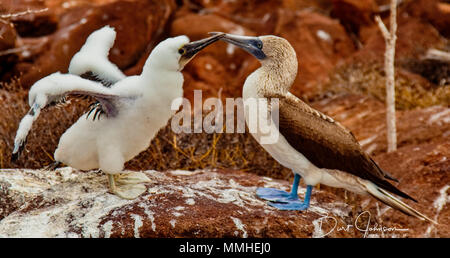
{"x":423,"y":170}
{"x":414,"y":38}
{"x":319,"y":5}
{"x":259,"y":16}
{"x":444,"y":8}
{"x":224,"y":60}
{"x":13,"y":7}
{"x":433,"y":11}
{"x":7,"y":44}
{"x":140,"y":20}
{"x":7,"y":35}
{"x":316,"y":56}
{"x":354,"y":13}
{"x":37,"y":24}
{"x":320,"y":43}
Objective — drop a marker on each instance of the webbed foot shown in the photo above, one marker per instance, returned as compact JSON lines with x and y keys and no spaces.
{"x":275,"y":195}
{"x":128,"y":185}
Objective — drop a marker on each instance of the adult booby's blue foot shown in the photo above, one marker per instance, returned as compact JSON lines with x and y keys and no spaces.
{"x":277,"y":195}
{"x":303,"y":139}
{"x":283,"y":200}
{"x":295,"y":205}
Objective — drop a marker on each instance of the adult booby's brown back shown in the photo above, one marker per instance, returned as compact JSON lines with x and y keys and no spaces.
{"x":310,"y":143}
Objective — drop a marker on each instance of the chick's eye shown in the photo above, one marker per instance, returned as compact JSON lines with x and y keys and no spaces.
{"x":181,"y":51}
{"x":259,"y":45}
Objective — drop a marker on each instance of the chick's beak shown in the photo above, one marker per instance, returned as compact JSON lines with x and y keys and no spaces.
{"x":192,"y":48}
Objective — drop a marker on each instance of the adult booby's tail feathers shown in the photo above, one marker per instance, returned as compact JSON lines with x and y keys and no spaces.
{"x":392,"y":201}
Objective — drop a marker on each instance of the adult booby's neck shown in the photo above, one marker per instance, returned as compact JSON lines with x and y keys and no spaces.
{"x":275,"y":76}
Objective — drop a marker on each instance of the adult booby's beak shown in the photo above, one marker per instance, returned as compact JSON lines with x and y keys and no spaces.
{"x":189,"y":50}
{"x":253,"y":45}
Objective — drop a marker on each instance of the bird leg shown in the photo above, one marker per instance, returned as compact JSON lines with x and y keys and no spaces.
{"x":128,"y":185}
{"x":276,"y":195}
{"x":52,"y":166}
{"x":283,"y":200}
{"x":112,"y":183}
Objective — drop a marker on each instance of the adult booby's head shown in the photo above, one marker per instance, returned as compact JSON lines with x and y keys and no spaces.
{"x":275,"y":53}
{"x":174,"y":53}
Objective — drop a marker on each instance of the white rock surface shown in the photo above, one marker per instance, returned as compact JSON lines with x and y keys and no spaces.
{"x":71,"y":203}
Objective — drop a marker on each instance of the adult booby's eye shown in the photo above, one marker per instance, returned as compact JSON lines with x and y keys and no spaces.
{"x":259,"y":45}
{"x":181,"y":51}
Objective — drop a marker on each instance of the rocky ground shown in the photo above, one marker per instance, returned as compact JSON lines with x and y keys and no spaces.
{"x":179,"y":203}
{"x":340,"y":52}
{"x":69,"y":203}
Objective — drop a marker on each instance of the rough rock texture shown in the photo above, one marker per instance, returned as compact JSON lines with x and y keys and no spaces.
{"x":414,"y":38}
{"x":354,"y":13}
{"x":424,"y":172}
{"x":8,"y":35}
{"x":256,"y":15}
{"x":8,"y":55}
{"x":320,"y":43}
{"x":435,"y":11}
{"x":69,"y":203}
{"x":142,"y":21}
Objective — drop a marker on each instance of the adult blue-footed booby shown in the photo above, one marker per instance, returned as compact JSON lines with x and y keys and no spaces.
{"x":313,"y":145}
{"x":135,"y":108}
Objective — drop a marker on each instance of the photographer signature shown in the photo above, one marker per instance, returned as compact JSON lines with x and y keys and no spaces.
{"x":359,"y":225}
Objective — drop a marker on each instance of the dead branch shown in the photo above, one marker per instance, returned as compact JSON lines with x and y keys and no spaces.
{"x":436,"y":54}
{"x":13,"y":15}
{"x":389,"y":58}
{"x":13,"y":50}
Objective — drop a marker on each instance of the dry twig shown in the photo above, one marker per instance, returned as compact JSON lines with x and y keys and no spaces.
{"x":389,"y":58}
